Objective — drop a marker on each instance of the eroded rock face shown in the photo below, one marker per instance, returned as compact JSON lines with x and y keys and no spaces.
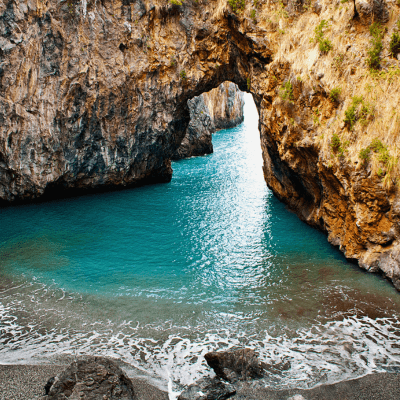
{"x":221,"y":108}
{"x":225,"y":104}
{"x":92,"y":379}
{"x":198,"y":137}
{"x":94,"y":95}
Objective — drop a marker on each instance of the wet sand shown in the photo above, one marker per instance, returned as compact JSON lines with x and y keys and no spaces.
{"x":378,"y":386}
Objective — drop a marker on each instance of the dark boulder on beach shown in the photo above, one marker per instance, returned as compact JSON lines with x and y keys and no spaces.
{"x":93,"y":378}
{"x":235,"y":364}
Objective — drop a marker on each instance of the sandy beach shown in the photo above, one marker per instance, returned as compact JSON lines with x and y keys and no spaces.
{"x":26,"y":382}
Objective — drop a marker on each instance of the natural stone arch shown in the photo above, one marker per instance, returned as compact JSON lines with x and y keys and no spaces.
{"x":93,"y":96}
{"x":102,"y":98}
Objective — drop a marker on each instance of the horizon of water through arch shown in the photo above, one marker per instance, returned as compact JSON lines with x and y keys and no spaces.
{"x":158,"y":275}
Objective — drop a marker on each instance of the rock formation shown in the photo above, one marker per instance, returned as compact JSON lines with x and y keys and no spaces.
{"x":235,"y":364}
{"x":92,"y":378}
{"x":94,"y":95}
{"x":220,"y":108}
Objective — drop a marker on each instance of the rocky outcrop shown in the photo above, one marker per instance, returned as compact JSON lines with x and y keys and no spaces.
{"x":93,"y":95}
{"x":235,"y":364}
{"x":221,"y":108}
{"x":198,"y":137}
{"x":92,"y":378}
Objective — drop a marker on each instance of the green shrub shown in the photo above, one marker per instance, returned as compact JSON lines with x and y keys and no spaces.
{"x":334,"y":94}
{"x":335,"y":142}
{"x":365,"y":155}
{"x":383,"y":156}
{"x":286,"y":91}
{"x":324,"y":44}
{"x":237,"y":5}
{"x":183,"y":74}
{"x":377,"y":146}
{"x":176,"y":2}
{"x":374,"y":59}
{"x":350,"y":115}
{"x":338,"y":146}
{"x":394,"y":44}
{"x":338,"y":62}
{"x":253,"y":15}
{"x":248,"y":83}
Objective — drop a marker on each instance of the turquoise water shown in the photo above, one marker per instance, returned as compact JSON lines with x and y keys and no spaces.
{"x":159,"y":275}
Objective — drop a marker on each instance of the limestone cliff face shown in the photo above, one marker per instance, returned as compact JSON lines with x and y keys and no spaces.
{"x":94,"y":95}
{"x":220,"y":108}
{"x":226,"y":105}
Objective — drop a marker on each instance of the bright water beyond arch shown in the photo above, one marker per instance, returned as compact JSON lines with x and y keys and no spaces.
{"x":161,"y":274}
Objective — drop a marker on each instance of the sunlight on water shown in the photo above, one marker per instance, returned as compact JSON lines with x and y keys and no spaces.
{"x":159,"y":275}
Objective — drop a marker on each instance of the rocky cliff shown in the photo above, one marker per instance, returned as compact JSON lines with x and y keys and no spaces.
{"x":220,"y":108}
{"x":94,"y":95}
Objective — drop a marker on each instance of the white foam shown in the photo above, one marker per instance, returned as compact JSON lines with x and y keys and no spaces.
{"x":322,"y":353}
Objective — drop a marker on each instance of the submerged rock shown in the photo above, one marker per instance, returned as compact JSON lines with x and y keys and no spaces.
{"x":91,"y":379}
{"x":208,"y":389}
{"x":233,"y":365}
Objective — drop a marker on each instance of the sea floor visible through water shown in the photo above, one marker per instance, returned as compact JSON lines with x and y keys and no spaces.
{"x":156,"y":276}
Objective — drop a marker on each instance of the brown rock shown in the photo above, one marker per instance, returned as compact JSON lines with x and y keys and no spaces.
{"x":232,"y":365}
{"x":92,"y":379}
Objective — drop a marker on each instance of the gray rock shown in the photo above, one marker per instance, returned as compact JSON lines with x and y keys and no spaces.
{"x":208,"y":389}
{"x":232,"y":365}
{"x":198,"y":138}
{"x":221,"y":108}
{"x":373,"y":11}
{"x":317,"y":7}
{"x":93,"y":378}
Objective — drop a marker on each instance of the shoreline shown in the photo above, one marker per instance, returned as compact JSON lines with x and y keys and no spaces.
{"x":26,"y":382}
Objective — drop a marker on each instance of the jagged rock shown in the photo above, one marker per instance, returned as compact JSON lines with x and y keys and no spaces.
{"x":93,"y":378}
{"x":232,"y":365}
{"x":317,"y":7}
{"x":221,"y":108}
{"x":373,"y":11}
{"x":295,"y":6}
{"x":198,"y":138}
{"x":48,"y":385}
{"x":208,"y":389}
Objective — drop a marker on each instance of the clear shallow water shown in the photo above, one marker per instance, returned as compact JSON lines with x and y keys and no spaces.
{"x":159,"y":275}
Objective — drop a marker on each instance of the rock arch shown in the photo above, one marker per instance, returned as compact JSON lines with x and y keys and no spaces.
{"x":93,"y":95}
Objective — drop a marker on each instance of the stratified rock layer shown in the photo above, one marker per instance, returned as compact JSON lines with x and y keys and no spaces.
{"x":93,"y":95}
{"x":221,"y":108}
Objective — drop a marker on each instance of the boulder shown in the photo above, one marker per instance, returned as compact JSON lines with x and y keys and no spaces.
{"x":92,"y":378}
{"x":235,"y":364}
